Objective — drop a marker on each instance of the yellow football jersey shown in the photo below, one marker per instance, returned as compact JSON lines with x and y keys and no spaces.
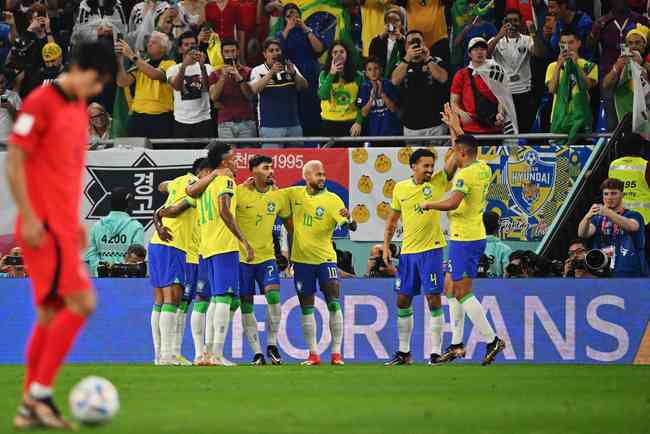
{"x":192,"y":254}
{"x":466,"y":221}
{"x":181,"y":226}
{"x":256,"y":215}
{"x":422,"y":231}
{"x":314,"y":219}
{"x":216,"y":238}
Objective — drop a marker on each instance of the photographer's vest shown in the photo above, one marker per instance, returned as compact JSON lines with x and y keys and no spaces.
{"x":631,"y":170}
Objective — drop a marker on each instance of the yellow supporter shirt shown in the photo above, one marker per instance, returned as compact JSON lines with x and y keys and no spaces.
{"x":216,"y":238}
{"x":372,"y":18}
{"x":466,"y":221}
{"x":422,"y":230}
{"x":181,"y":226}
{"x":590,"y":69}
{"x":256,"y":215}
{"x":314,"y":219}
{"x":429,"y":18}
{"x":152,"y":97}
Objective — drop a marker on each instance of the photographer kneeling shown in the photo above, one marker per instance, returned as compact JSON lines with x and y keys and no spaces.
{"x":616,"y":232}
{"x":376,"y":265}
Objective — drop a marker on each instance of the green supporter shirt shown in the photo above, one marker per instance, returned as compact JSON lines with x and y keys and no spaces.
{"x":499,"y":254}
{"x":111,"y":237}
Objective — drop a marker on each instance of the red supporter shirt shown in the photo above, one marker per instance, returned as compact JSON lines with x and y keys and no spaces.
{"x":53,"y":131}
{"x":224,"y":21}
{"x":461,"y":85}
{"x":234,"y":105}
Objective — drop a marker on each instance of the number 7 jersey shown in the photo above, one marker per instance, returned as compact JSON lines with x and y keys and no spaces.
{"x":314,"y":219}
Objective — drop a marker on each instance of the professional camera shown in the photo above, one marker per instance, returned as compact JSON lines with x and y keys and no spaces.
{"x":104,"y":269}
{"x":484,"y":264}
{"x":529,"y":264}
{"x":598,"y":263}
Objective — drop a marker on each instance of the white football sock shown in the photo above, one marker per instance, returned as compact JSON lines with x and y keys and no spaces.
{"x":249,"y":323}
{"x":476,"y":314}
{"x":336,"y":329}
{"x":197,"y":322}
{"x":273,"y":316}
{"x":167,"y":328}
{"x":155,"y":329}
{"x":457,"y":320}
{"x":308,"y":323}
{"x":221,"y":323}
{"x":405,"y":330}
{"x":436,"y":331}
{"x":209,"y":327}
{"x":181,"y":318}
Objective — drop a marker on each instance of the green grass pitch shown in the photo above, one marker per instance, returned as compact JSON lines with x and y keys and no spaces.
{"x":455,"y":399}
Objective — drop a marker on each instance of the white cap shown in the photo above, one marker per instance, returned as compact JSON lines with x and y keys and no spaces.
{"x":476,"y":41}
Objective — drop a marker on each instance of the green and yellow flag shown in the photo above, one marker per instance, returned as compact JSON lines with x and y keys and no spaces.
{"x":571,"y":112}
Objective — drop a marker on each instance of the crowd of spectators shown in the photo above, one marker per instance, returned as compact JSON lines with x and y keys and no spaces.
{"x":241,"y":69}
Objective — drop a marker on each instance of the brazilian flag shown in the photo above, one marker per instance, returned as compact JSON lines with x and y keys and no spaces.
{"x":572,"y":112}
{"x":329,"y":19}
{"x":121,"y":112}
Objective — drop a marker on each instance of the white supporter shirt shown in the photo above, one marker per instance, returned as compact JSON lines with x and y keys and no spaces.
{"x":514,"y":57}
{"x":192,"y":104}
{"x":6,"y":123}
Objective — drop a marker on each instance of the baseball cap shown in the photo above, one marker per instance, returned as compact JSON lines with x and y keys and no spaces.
{"x":474,"y":42}
{"x":51,"y":51}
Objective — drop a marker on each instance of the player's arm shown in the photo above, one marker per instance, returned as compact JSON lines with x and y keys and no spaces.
{"x":32,"y":230}
{"x":449,"y":204}
{"x":196,"y":189}
{"x":163,"y":187}
{"x":350,"y":224}
{"x":389,"y":232}
{"x":231,"y":224}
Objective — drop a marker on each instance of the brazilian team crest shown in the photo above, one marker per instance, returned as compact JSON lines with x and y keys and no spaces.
{"x":270,"y":208}
{"x":426,"y":191}
{"x":320,"y":212}
{"x":531,"y":182}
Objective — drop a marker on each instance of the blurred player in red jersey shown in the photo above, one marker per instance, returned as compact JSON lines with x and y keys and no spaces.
{"x":45,"y":164}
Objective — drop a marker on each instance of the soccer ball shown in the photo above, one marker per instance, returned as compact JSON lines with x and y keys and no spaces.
{"x":94,"y":401}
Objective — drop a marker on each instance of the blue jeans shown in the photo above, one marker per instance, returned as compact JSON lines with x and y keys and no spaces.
{"x":295,"y":131}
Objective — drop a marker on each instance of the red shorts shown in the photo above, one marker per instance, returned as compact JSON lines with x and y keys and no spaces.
{"x":55,"y":268}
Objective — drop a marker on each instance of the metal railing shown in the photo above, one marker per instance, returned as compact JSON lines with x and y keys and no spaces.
{"x":324,"y":142}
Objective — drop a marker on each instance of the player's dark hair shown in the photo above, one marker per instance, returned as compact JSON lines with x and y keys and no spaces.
{"x":228,"y":41}
{"x":612,"y":184}
{"x":197,"y":165}
{"x":491,"y":222}
{"x":217,"y":153}
{"x":187,"y":35}
{"x":563,"y":2}
{"x":206,"y":165}
{"x":120,"y":198}
{"x":420,"y":153}
{"x":468,"y":142}
{"x":137,"y":250}
{"x":370,"y":60}
{"x":96,"y":56}
{"x":257,"y":160}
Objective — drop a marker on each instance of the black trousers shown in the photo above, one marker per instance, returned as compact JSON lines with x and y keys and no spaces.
{"x":202,"y":130}
{"x":151,"y":126}
{"x":339,"y":129}
{"x":526,"y":110}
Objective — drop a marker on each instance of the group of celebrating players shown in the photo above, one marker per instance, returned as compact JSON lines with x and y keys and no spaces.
{"x":214,"y":245}
{"x":215,"y":238}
